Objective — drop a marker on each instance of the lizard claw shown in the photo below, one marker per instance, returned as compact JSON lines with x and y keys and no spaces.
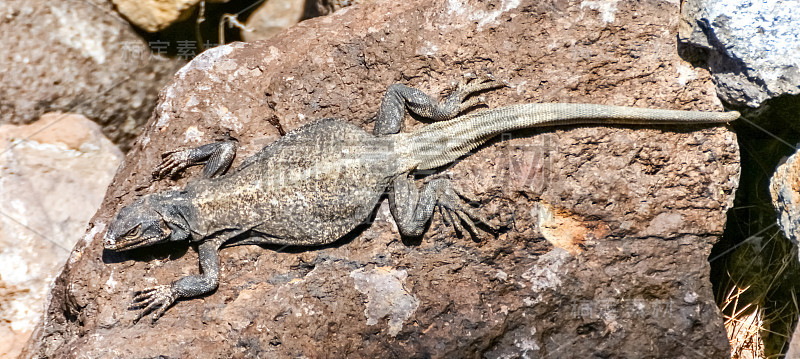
{"x":455,"y":211}
{"x":156,"y":300}
{"x":470,"y":85}
{"x":171,"y":163}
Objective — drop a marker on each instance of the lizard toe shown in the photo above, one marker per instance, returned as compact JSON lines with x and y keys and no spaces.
{"x":456,"y":212}
{"x":172,"y":163}
{"x":155,"y":300}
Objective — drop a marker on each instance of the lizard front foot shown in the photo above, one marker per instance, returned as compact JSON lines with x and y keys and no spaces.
{"x":172,"y":162}
{"x":156,"y":299}
{"x":217,"y":157}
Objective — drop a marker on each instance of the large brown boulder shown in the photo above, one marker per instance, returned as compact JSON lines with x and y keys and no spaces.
{"x":605,"y":231}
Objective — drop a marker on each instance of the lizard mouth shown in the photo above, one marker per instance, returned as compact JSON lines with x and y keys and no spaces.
{"x":114,"y":245}
{"x":124,"y":244}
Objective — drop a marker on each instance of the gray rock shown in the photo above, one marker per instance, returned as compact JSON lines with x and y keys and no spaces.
{"x":53,"y":175}
{"x":77,"y":56}
{"x":753,"y":47}
{"x":606,"y":230}
{"x":784,"y":189}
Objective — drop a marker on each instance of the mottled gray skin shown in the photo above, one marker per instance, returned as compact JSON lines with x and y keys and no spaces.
{"x":321,"y":181}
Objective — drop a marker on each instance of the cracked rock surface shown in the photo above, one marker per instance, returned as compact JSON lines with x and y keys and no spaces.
{"x":605,"y":231}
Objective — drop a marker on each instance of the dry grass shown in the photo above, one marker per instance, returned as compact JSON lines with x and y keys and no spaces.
{"x":744,"y":326}
{"x":758,"y":306}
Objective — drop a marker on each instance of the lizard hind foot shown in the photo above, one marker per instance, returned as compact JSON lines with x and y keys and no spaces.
{"x":470,"y":85}
{"x":156,"y":300}
{"x":455,"y":211}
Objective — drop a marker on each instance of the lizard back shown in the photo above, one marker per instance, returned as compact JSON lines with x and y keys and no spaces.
{"x":311,"y":187}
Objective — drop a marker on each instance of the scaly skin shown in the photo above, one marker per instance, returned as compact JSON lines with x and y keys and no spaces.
{"x":321,"y":181}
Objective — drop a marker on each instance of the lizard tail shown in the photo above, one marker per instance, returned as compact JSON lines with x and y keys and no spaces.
{"x":443,"y":142}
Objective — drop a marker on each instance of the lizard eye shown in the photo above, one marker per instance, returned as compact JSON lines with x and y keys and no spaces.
{"x":135,"y":232}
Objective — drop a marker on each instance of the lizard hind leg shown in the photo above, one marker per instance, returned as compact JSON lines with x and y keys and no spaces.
{"x":412,"y":209}
{"x":217,"y":158}
{"x":400,"y":97}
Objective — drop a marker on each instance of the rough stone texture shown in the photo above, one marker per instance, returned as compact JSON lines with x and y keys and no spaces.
{"x":53,"y":175}
{"x":605,"y":230}
{"x":77,"y":56}
{"x":784,"y":188}
{"x":156,"y":15}
{"x":752,"y":46}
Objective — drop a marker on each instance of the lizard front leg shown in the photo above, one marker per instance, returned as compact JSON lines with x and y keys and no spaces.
{"x":158,"y":299}
{"x":399,"y":97}
{"x":413,"y":209}
{"x":216,"y":156}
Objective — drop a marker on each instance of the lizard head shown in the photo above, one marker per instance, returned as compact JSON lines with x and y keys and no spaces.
{"x":136,"y":225}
